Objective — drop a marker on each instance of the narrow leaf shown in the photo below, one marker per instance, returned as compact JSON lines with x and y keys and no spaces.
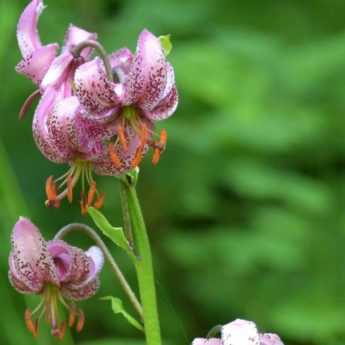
{"x":117,"y":307}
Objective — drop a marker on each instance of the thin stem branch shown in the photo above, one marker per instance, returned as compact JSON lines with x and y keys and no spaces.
{"x":115,"y":268}
{"x":100,"y":50}
{"x":144,"y":265}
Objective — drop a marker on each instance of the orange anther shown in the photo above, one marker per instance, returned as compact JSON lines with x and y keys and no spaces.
{"x":72,"y":317}
{"x":156,"y":156}
{"x":114,"y":157}
{"x":81,"y":321}
{"x":163,"y":137}
{"x":51,"y":191}
{"x":91,"y":193}
{"x":99,"y":201}
{"x":122,"y":137}
{"x":70,"y":188}
{"x":83,"y":206}
{"x":31,"y":325}
{"x":62,"y":330}
{"x":143,"y":133}
{"x":138,"y":157}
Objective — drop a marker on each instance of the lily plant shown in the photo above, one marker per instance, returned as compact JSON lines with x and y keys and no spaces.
{"x":97,"y":113}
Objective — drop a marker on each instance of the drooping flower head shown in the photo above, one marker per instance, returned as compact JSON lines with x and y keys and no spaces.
{"x":240,"y":332}
{"x":59,"y":273}
{"x":70,"y":138}
{"x":143,"y":92}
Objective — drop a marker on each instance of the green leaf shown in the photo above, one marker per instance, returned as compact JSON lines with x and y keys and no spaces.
{"x":114,"y":233}
{"x":166,"y":44}
{"x":117,"y":306}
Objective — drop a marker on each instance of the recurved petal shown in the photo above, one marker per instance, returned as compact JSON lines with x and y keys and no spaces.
{"x":76,"y":35}
{"x":40,"y":130}
{"x":97,"y":258}
{"x":95,"y":92}
{"x":147,"y":78}
{"x":35,"y":65}
{"x":15,"y":281}
{"x":27,"y":32}
{"x":63,"y":256}
{"x":77,"y":293}
{"x":121,"y":62}
{"x":165,"y":108}
{"x":61,"y":125}
{"x":204,"y":341}
{"x":58,"y":71}
{"x":240,"y":332}
{"x":270,"y":339}
{"x":32,"y":264}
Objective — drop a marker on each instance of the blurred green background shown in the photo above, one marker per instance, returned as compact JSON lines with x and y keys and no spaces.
{"x":246,"y":208}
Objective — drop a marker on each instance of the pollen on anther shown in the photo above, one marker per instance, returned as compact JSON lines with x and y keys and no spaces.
{"x":114,"y":157}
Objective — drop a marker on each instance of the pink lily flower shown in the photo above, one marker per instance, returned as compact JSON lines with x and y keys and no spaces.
{"x":57,"y":272}
{"x":240,"y":332}
{"x":143,"y":92}
{"x":59,"y":130}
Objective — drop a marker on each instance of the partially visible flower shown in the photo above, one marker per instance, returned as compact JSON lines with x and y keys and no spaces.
{"x":142,"y":93}
{"x":240,"y":332}
{"x":59,"y":273}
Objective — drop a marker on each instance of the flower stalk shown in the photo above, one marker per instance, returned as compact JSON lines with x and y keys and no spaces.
{"x":115,"y":268}
{"x":144,"y":267}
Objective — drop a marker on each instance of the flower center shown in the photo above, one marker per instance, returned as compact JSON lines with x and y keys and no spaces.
{"x":63,"y":187}
{"x":49,"y":307}
{"x":131,"y":124}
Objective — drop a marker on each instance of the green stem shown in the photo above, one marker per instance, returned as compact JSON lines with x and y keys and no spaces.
{"x":144,"y":265}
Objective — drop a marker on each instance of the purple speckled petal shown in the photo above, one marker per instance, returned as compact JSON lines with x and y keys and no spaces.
{"x":95,"y":92}
{"x":147,"y":78}
{"x":36,"y":64}
{"x":27,"y":33}
{"x":61,"y":126}
{"x":120,"y":62}
{"x":204,"y":341}
{"x":58,"y":71}
{"x":76,"y":35}
{"x":63,"y":255}
{"x":39,"y":126}
{"x":32,"y":264}
{"x":81,"y":293}
{"x":270,"y":339}
{"x":15,"y":280}
{"x":240,"y":332}
{"x":165,"y":108}
{"x":97,"y":258}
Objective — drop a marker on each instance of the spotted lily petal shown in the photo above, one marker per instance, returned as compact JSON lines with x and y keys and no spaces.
{"x":204,"y":341}
{"x":95,"y":92}
{"x":32,"y":264}
{"x":76,"y":35}
{"x":147,"y":78}
{"x":270,"y":339}
{"x":35,"y":65}
{"x":120,"y":62}
{"x":40,"y":129}
{"x":27,"y":33}
{"x":240,"y":332}
{"x":58,"y":71}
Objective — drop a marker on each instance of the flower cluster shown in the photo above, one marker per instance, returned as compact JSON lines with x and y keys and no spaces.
{"x":240,"y":332}
{"x":91,"y":119}
{"x":59,"y":273}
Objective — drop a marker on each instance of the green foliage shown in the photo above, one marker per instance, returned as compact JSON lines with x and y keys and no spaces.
{"x":246,"y":207}
{"x":118,"y":308}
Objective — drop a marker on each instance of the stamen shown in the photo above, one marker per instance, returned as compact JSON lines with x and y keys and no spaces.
{"x":99,"y":201}
{"x":62,"y":330}
{"x":72,"y":317}
{"x":114,"y":157}
{"x":70,"y":188}
{"x":122,"y":137}
{"x":81,"y":321}
{"x":156,"y":156}
{"x":83,"y":206}
{"x":91,"y":193}
{"x":31,"y":325}
{"x":163,"y":137}
{"x":51,"y":193}
{"x":27,"y":104}
{"x":138,"y":157}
